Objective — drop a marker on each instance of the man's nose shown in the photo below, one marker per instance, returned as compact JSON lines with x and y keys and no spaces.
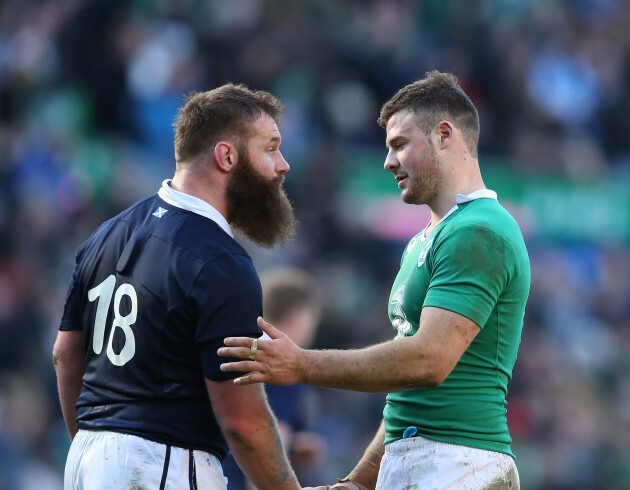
{"x":282,"y":166}
{"x":391,"y":163}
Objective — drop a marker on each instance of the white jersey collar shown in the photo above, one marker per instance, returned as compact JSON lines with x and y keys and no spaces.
{"x":487,"y":193}
{"x":193,"y":204}
{"x":461,"y":199}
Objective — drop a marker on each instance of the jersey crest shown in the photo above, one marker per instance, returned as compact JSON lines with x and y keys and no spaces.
{"x":399,"y":322}
{"x":160,"y":212}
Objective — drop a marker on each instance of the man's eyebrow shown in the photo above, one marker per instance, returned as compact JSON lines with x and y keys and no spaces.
{"x":275,"y":139}
{"x":390,"y":143}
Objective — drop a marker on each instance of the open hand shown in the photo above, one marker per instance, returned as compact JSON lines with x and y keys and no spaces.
{"x":277,"y":360}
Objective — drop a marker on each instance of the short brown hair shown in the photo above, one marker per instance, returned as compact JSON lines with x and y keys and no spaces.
{"x":224,"y":112}
{"x":436,"y":97}
{"x":287,"y":288}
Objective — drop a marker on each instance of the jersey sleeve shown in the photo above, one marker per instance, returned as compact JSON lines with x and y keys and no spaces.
{"x":228,"y":297}
{"x":71,"y":318}
{"x":471,"y":267}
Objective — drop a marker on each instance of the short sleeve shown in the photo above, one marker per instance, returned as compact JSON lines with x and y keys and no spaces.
{"x":71,"y":318}
{"x":471,"y":268}
{"x":228,"y":299}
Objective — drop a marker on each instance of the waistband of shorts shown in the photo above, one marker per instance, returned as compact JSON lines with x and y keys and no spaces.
{"x":405,"y":445}
{"x":110,"y":434}
{"x":419,"y":442}
{"x":89,"y":433}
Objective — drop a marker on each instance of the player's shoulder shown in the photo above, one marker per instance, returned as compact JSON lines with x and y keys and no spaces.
{"x":205,"y":239}
{"x":484,"y":221}
{"x":196,"y":235}
{"x":227,"y":275}
{"x":125,"y":217}
{"x":488,"y":214}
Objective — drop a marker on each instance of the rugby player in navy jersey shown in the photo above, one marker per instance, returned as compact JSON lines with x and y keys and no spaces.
{"x":155,"y":291}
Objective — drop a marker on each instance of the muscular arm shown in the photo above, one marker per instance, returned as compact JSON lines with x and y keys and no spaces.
{"x":69,"y":361}
{"x":422,"y":360}
{"x":252,"y":434}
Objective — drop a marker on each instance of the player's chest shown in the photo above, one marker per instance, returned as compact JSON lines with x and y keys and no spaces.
{"x":410,"y":286}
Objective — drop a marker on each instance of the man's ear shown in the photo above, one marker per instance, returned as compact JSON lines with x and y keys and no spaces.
{"x":225,"y":155}
{"x":445,"y":132}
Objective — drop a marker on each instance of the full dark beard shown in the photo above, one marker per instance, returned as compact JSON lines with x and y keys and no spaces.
{"x":259,"y":209}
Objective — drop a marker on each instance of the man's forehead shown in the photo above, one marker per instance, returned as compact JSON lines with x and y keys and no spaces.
{"x":266,"y":126}
{"x":401,"y":122}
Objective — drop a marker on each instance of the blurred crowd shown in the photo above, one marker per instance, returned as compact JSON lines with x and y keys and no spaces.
{"x":88,"y":92}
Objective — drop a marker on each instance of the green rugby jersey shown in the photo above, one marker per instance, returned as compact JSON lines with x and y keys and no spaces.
{"x":474,"y":262}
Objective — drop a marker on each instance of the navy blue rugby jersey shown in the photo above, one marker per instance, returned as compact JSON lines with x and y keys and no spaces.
{"x":156,"y":289}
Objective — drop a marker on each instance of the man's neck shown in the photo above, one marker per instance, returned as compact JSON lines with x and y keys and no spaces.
{"x":201,"y":187}
{"x":444,"y":203}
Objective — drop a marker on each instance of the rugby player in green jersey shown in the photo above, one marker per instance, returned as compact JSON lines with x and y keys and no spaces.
{"x":456,"y":306}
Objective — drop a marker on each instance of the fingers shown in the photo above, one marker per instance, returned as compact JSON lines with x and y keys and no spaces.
{"x":268,"y":328}
{"x":250,"y":379}
{"x":240,"y":352}
{"x":238,"y":342}
{"x":240,"y":366}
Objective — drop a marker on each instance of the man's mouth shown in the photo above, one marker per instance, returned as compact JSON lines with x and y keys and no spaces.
{"x":401,"y":179}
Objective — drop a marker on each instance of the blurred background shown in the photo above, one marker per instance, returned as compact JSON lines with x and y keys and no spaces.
{"x":88,"y":92}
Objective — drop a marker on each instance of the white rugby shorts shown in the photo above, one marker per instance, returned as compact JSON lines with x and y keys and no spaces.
{"x":103,"y":460}
{"x":419,"y":463}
